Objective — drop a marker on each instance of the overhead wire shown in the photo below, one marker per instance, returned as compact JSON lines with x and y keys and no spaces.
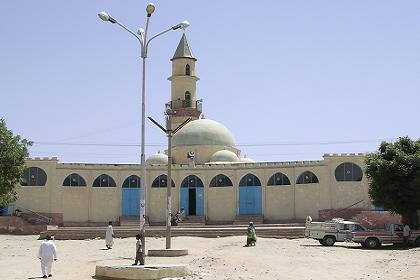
{"x":342,"y":142}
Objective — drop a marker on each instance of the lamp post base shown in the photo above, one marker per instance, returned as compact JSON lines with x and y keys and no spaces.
{"x":128,"y":272}
{"x":167,"y":253}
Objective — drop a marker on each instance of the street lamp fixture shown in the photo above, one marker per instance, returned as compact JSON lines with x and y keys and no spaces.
{"x":105,"y":17}
{"x":141,"y":36}
{"x":150,"y":9}
{"x":183,"y":25}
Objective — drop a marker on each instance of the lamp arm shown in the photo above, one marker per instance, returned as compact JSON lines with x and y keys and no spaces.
{"x":157,"y":35}
{"x":131,"y":32}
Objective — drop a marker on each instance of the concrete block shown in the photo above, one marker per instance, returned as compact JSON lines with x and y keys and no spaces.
{"x":148,"y":272}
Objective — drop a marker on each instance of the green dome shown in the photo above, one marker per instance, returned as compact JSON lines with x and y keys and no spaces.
{"x":157,"y":159}
{"x":224,"y":156}
{"x":203,"y":132}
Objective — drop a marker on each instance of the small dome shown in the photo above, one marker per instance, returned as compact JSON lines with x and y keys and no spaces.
{"x":224,"y":156}
{"x":157,"y":159}
{"x":203,"y":132}
{"x":246,"y":159}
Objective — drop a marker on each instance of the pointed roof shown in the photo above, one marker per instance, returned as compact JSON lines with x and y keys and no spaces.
{"x":183,"y":50}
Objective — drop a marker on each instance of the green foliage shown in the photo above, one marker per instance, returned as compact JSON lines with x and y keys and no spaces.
{"x":13,"y":151}
{"x":394,"y":177}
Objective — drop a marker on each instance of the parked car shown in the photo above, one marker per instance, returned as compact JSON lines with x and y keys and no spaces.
{"x":392,"y":234}
{"x":329,"y":232}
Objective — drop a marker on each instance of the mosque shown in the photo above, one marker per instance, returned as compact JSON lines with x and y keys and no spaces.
{"x":211,"y":179}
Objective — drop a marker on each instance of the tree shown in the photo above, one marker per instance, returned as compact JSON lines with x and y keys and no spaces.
{"x":13,"y":151}
{"x":394,"y":178}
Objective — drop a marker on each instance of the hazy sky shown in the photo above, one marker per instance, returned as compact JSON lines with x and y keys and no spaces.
{"x":292,"y":80}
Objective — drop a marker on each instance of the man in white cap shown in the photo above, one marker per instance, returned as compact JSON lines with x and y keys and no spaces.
{"x":47,"y":254}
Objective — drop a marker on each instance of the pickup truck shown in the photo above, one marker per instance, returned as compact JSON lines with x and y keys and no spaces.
{"x":392,"y":234}
{"x":329,"y":232}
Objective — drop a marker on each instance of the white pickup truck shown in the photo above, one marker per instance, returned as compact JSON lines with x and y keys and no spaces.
{"x":392,"y":234}
{"x":329,"y":232}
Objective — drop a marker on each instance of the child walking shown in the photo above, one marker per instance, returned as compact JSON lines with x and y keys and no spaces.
{"x":139,"y":251}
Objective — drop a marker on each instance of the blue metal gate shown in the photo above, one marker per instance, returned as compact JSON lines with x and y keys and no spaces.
{"x":192,"y":196}
{"x":199,"y":201}
{"x":250,"y":200}
{"x":4,"y":211}
{"x":130,"y":201}
{"x":184,"y":200}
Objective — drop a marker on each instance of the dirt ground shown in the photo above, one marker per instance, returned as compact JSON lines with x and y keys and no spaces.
{"x":217,"y":259}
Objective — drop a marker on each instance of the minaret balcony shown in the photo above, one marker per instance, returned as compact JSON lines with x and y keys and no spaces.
{"x":184,"y":104}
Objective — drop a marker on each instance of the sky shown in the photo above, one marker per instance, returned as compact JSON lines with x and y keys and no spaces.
{"x":291,"y":80}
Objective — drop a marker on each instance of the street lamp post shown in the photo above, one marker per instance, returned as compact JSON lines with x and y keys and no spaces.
{"x":141,"y":36}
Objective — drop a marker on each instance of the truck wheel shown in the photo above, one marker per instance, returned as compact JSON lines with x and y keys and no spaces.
{"x":417,"y":242}
{"x":328,"y":240}
{"x":372,"y":243}
{"x":363,"y":244}
{"x":321,"y":241}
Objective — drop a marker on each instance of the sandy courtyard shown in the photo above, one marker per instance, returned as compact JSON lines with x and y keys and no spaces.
{"x":217,"y":258}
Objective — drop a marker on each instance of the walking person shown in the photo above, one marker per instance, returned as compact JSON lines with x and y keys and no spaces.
{"x":139,"y":251}
{"x":109,"y":236}
{"x":47,"y":254}
{"x":251,"y":235}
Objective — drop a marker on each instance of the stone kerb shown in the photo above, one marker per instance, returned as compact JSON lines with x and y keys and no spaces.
{"x":167,"y":252}
{"x":148,"y":272}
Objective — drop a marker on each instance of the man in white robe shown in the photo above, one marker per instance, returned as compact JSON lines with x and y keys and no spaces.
{"x":109,"y":236}
{"x":47,"y":254}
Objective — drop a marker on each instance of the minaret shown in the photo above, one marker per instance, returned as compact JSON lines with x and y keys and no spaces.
{"x":183,"y":102}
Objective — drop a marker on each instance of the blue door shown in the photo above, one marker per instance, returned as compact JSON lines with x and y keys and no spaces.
{"x":191,"y":197}
{"x":250,"y":200}
{"x":184,"y":200}
{"x":130,"y":201}
{"x":199,"y":201}
{"x":4,"y":211}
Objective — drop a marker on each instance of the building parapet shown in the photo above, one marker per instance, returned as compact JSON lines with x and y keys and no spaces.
{"x":240,"y":165}
{"x":42,"y":159}
{"x":117,"y":166}
{"x":344,"y":154}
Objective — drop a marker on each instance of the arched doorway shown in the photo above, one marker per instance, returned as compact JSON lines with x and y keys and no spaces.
{"x":4,"y":211}
{"x":130,"y":198}
{"x":192,"y":196}
{"x":250,"y":195}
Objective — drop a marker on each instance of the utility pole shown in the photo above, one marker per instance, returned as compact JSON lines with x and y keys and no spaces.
{"x":169,"y":132}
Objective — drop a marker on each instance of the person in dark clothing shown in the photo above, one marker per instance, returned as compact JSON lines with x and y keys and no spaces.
{"x":139,"y":251}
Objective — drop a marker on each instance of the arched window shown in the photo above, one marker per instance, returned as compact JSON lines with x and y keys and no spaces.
{"x":187,"y":70}
{"x":187,"y":99}
{"x":278,"y":179}
{"x":307,"y":177}
{"x":348,"y":171}
{"x":132,"y":181}
{"x":104,"y":181}
{"x":221,"y":180}
{"x":34,"y":176}
{"x":192,"y":181}
{"x":249,"y":180}
{"x":160,"y":182}
{"x":74,"y":180}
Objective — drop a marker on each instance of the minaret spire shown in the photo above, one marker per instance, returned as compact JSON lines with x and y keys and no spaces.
{"x":183,"y":50}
